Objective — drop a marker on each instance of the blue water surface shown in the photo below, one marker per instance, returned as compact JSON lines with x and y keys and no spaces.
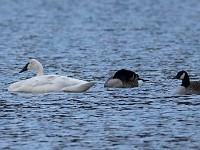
{"x":90,"y":40}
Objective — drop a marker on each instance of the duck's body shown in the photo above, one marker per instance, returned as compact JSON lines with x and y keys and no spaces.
{"x":187,"y":86}
{"x":49,"y":83}
{"x":123,"y":79}
{"x":193,"y":88}
{"x":117,"y":83}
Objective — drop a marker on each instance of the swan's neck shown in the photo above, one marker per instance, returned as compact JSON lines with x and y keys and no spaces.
{"x":39,"y":70}
{"x":39,"y":73}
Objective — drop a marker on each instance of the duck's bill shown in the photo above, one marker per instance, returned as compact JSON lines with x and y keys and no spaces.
{"x":25,"y":68}
{"x":174,"y":77}
{"x":142,"y":79}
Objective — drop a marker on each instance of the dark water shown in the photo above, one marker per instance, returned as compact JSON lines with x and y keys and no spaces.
{"x":90,"y":40}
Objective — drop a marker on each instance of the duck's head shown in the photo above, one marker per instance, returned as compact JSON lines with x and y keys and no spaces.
{"x":181,"y":75}
{"x":35,"y":65}
{"x":138,"y":77}
{"x":125,"y":75}
{"x":140,"y":80}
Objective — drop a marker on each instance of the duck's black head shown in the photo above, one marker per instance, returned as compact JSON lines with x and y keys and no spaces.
{"x":124,"y":75}
{"x":183,"y":75}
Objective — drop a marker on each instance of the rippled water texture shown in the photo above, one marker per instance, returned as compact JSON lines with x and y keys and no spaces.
{"x":90,"y":40}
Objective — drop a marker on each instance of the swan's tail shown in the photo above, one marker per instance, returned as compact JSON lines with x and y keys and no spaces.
{"x":78,"y":88}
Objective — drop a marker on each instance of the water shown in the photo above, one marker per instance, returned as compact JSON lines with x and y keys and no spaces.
{"x":90,"y":40}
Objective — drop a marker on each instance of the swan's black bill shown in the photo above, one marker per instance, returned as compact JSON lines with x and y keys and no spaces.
{"x":25,"y":68}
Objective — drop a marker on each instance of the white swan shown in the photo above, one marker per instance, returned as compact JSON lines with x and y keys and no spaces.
{"x":48,"y":83}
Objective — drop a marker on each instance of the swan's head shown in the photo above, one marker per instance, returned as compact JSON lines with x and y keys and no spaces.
{"x":35,"y":65}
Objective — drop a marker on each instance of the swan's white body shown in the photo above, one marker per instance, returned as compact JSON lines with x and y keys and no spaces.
{"x":48,"y":83}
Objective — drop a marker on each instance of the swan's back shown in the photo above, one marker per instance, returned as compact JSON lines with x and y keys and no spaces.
{"x":45,"y":83}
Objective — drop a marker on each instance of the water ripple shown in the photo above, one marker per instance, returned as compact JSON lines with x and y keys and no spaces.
{"x":90,"y":40}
